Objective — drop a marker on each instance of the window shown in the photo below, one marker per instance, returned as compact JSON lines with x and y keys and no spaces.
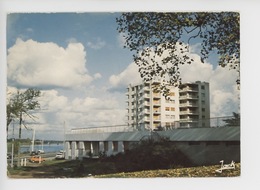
{"x":202,"y":87}
{"x":167,"y":108}
{"x":172,"y":108}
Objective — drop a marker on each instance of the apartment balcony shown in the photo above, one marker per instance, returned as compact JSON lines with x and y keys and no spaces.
{"x":157,"y":119}
{"x":188,"y":104}
{"x":156,"y":96}
{"x":146,"y":119}
{"x":189,"y":120}
{"x":146,"y":111}
{"x":189,"y":89}
{"x":146,"y":96}
{"x":189,"y":112}
{"x":146,"y":104}
{"x":157,"y":103}
{"x":146,"y":89}
{"x":156,"y":112}
{"x":186,"y":97}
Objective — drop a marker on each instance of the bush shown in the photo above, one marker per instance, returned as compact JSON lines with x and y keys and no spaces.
{"x":150,"y":154}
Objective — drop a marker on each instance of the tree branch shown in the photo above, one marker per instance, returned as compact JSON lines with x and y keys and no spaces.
{"x":195,"y":35}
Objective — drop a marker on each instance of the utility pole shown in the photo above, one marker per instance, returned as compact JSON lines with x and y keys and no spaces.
{"x":33,"y":138}
{"x":12,"y":161}
{"x":64,"y":133}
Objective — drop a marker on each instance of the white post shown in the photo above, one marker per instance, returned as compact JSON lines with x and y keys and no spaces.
{"x":67,"y":150}
{"x":120,"y":146}
{"x":42,"y":144}
{"x":12,"y":161}
{"x":33,"y":139}
{"x":25,"y":161}
{"x":101,"y":146}
{"x":110,"y":148}
{"x":21,"y":162}
{"x":73,"y":150}
{"x":40,"y":159}
{"x":91,"y":148}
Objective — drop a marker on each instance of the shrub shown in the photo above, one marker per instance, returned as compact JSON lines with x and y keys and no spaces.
{"x":150,"y":154}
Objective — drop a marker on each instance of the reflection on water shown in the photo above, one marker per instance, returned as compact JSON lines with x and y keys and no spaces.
{"x":45,"y":147}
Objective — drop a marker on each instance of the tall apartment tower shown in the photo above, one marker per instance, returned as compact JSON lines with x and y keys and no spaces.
{"x":147,"y":109}
{"x":194,"y":104}
{"x":188,"y":106}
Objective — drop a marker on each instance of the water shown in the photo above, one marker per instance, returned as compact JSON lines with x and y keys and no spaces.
{"x":48,"y":148}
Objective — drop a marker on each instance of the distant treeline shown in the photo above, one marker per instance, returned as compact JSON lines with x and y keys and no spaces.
{"x":36,"y":141}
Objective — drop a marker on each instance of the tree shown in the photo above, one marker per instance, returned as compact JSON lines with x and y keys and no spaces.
{"x":167,"y":35}
{"x":20,"y":105}
{"x":234,"y":121}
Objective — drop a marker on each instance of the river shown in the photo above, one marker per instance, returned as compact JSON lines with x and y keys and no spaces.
{"x":48,"y":148}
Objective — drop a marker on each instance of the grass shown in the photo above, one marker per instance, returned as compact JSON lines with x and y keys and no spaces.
{"x":203,"y":171}
{"x":97,"y":169}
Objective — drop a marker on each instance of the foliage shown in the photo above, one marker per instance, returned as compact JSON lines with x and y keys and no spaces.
{"x":150,"y":154}
{"x":70,"y":169}
{"x":151,"y":35}
{"x":235,"y":121}
{"x":109,"y":168}
{"x":20,"y":105}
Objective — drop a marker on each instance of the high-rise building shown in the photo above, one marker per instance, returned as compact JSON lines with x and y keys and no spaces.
{"x":194,"y":104}
{"x":148,"y":109}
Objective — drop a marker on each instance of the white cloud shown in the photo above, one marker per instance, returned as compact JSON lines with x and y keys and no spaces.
{"x":29,"y":30}
{"x":223,"y":92}
{"x":97,"y":44}
{"x":224,"y":96}
{"x":196,"y":71}
{"x":75,"y":112}
{"x":97,"y":76}
{"x":121,"y":40}
{"x":32,"y":63}
{"x":123,"y":79}
{"x":52,"y":101}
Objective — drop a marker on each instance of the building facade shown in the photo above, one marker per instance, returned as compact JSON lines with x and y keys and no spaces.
{"x":194,"y":104}
{"x":147,"y":109}
{"x":187,"y":106}
{"x":202,"y":146}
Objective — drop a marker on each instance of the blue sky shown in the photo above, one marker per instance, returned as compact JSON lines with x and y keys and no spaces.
{"x":96,"y":31}
{"x":78,"y":62}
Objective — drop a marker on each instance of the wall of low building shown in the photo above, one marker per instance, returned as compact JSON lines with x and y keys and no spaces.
{"x":200,"y":153}
{"x":210,"y":152}
{"x":202,"y":145}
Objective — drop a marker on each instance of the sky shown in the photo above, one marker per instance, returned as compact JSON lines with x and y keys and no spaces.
{"x":78,"y":62}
